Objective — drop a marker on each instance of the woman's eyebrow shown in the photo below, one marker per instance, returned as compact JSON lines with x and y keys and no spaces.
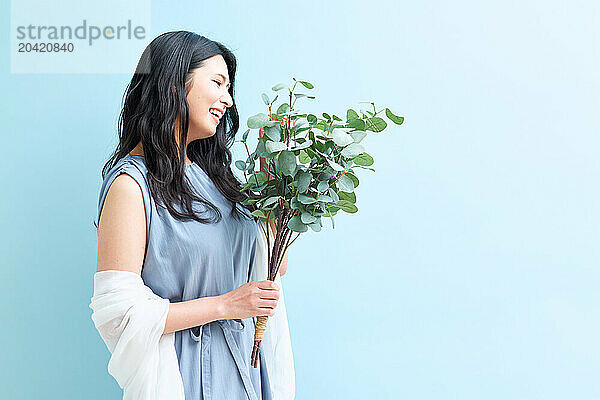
{"x":223,"y":76}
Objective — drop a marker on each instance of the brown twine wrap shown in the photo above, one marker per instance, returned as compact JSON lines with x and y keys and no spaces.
{"x":260,"y":327}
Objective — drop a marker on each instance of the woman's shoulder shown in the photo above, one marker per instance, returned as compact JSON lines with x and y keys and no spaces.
{"x":134,"y":167}
{"x":131,"y":165}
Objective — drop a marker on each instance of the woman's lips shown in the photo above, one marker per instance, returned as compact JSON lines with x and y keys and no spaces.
{"x":214,"y":118}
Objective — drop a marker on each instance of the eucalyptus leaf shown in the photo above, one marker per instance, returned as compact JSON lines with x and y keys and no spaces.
{"x":336,"y":167}
{"x":273,"y":133}
{"x":322,"y":186}
{"x":273,"y":147}
{"x":375,"y":124}
{"x":352,"y":150}
{"x":307,"y":218}
{"x":278,"y":87}
{"x":303,"y":178}
{"x":358,"y":136}
{"x":245,"y":135}
{"x":301,"y":146}
{"x":347,"y":206}
{"x":240,"y":165}
{"x":345,"y":183}
{"x":259,"y":213}
{"x":307,"y":85}
{"x":363,"y":159}
{"x":315,"y":227}
{"x":351,"y":114}
{"x":341,"y":138}
{"x":258,"y":121}
{"x":351,"y":197}
{"x":357,"y":124}
{"x":265,"y":99}
{"x":334,"y":196}
{"x":303,"y":157}
{"x":270,"y":201}
{"x":283,"y":108}
{"x":304,"y":199}
{"x":296,"y":225}
{"x":394,"y":118}
{"x":287,"y":162}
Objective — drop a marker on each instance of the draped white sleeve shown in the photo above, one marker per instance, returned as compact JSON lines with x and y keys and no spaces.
{"x":131,"y":319}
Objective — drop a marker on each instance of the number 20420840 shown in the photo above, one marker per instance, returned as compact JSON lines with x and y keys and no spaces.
{"x":46,"y":47}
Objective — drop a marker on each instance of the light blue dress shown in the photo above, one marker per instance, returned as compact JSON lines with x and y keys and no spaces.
{"x":188,"y":260}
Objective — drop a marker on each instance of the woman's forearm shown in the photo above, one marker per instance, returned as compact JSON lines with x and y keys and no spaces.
{"x":191,"y":313}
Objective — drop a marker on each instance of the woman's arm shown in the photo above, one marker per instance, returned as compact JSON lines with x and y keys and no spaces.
{"x":121,"y":246}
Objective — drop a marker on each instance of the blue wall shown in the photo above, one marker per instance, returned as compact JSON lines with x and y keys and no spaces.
{"x":471,"y":270}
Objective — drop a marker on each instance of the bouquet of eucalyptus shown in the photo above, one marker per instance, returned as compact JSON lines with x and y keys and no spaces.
{"x":306,"y":171}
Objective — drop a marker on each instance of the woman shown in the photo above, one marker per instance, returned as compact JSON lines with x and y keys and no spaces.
{"x":169,"y":211}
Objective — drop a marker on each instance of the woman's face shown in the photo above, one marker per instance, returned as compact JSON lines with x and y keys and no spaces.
{"x":208,"y":96}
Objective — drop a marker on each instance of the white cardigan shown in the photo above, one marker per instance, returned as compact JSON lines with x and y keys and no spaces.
{"x":131,"y":318}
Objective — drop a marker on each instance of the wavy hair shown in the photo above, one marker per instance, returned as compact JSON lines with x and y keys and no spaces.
{"x":152,"y":101}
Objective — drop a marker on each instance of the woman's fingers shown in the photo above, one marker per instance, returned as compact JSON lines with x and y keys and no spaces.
{"x":267,"y":285}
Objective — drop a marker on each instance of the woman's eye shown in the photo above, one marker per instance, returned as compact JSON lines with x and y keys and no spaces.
{"x":218,"y":83}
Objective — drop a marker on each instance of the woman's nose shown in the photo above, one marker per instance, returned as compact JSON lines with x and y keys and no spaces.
{"x":227,"y":99}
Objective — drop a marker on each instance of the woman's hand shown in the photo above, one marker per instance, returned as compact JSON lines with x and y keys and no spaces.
{"x":252,"y":299}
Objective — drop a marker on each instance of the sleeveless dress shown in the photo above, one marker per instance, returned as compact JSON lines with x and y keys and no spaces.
{"x":185,"y":260}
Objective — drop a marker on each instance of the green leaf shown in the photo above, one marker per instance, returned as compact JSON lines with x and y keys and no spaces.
{"x":331,"y":217}
{"x":240,"y":165}
{"x":315,"y":227}
{"x":245,"y":135}
{"x":351,"y":197}
{"x":347,"y":206}
{"x":355,"y":180}
{"x":296,"y":225}
{"x":259,"y":214}
{"x":258,"y":121}
{"x":325,"y":199}
{"x":336,"y":167}
{"x":301,"y":146}
{"x":270,"y":201}
{"x":258,"y":177}
{"x":287,"y":162}
{"x":352,"y":150}
{"x":345,"y":183}
{"x":303,"y":157}
{"x":311,"y":118}
{"x":375,"y":124}
{"x":363,"y":159}
{"x":357,"y":124}
{"x":358,"y":136}
{"x":278,"y":87}
{"x":322,"y":186}
{"x":341,"y":138}
{"x":273,"y":147}
{"x":273,"y":133}
{"x":265,"y":99}
{"x":351,"y":114}
{"x":304,"y":199}
{"x":326,"y":116}
{"x":303,"y":178}
{"x":283,"y":108}
{"x":307,"y":85}
{"x":394,"y":118}
{"x":334,"y":196}
{"x":308,"y":218}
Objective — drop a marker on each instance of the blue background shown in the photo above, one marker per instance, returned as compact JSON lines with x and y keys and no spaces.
{"x":470,"y":271}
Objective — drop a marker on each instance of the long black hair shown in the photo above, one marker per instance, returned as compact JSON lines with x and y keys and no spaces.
{"x":153,"y":99}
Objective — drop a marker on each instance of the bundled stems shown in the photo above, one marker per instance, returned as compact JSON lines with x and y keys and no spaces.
{"x":280,"y":246}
